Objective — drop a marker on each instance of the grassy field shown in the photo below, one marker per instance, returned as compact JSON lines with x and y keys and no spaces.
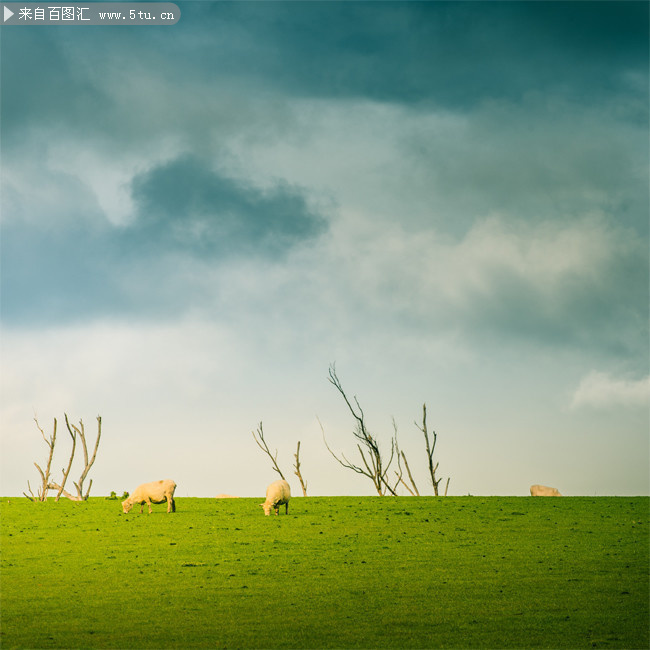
{"x":341,"y":572}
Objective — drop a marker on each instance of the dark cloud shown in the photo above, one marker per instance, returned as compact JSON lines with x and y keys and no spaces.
{"x":44,"y":87}
{"x":78,"y":268}
{"x":185,"y":205}
{"x":451,"y":54}
{"x":518,"y":75}
{"x":448,"y":54}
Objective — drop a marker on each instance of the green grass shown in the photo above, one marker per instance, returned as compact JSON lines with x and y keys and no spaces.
{"x":338,"y":572}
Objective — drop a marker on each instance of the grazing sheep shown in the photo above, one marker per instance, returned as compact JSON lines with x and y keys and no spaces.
{"x":277,"y":494}
{"x":154,"y":492}
{"x":543,"y":491}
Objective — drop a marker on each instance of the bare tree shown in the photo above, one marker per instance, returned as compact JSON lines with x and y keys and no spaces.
{"x":258,"y":436}
{"x":48,"y":483}
{"x":261,"y":443}
{"x":431,"y":447}
{"x":87,"y":463}
{"x":79,"y":431}
{"x":298,"y":473}
{"x":374,"y":465}
{"x":50,"y":441}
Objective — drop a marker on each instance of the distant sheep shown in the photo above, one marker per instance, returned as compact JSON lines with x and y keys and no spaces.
{"x":277,"y":494}
{"x":226,"y":496}
{"x":155,"y":492}
{"x":543,"y":491}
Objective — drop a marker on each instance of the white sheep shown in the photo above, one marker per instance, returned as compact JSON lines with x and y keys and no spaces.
{"x":543,"y":491}
{"x":277,"y":494}
{"x":155,"y":492}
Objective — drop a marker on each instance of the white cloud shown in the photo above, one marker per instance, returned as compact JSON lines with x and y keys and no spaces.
{"x":544,"y":282}
{"x":602,"y":390}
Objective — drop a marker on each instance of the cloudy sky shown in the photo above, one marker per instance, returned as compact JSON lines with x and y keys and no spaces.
{"x":449,"y":201}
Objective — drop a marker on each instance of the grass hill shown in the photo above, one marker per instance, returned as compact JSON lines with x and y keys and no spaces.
{"x":339,"y":572}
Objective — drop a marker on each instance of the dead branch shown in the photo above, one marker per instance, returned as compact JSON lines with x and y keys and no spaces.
{"x":399,"y":475}
{"x":430,"y":449}
{"x":261,"y":443}
{"x":376,"y":468}
{"x":345,"y":462}
{"x":62,"y":492}
{"x":298,"y":473}
{"x":66,"y":472}
{"x":50,"y":441}
{"x":413,"y":489}
{"x":88,"y":463}
{"x":31,"y":496}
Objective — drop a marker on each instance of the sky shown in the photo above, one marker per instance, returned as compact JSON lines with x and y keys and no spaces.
{"x":446,"y":200}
